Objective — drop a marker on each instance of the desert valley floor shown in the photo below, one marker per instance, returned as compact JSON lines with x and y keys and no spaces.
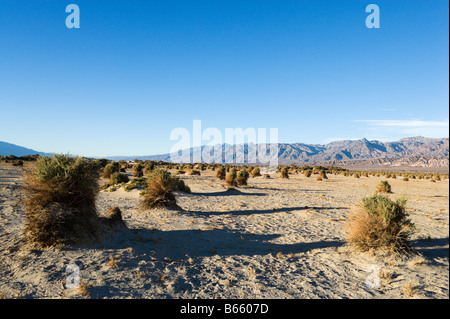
{"x":275,"y":238}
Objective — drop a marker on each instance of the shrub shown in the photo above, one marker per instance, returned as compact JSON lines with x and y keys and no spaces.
{"x":134,"y":184}
{"x":322,"y":174}
{"x":60,"y":194}
{"x":17,"y":163}
{"x":284,"y":173}
{"x":138,"y":170}
{"x":307,"y":173}
{"x":384,"y":187}
{"x":220,"y":173}
{"x":117,"y":178}
{"x":405,"y":179}
{"x":380,"y":223}
{"x":230,"y":179}
{"x":160,"y":186}
{"x":149,"y":167}
{"x":242,"y":177}
{"x":256,"y":172}
{"x":193,"y":172}
{"x":109,"y":169}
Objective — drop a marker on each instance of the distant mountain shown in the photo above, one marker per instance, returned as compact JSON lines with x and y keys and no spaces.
{"x":12,"y":149}
{"x":419,"y":149}
{"x":412,"y":152}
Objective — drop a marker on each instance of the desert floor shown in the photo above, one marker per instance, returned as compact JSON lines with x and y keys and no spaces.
{"x":275,"y":238}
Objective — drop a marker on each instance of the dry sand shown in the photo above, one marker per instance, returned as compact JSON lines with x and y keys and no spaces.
{"x":275,"y":238}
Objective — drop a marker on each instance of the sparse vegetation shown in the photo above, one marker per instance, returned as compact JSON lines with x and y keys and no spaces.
{"x":323,"y":174}
{"x":160,"y":187}
{"x":138,"y":170}
{"x":384,"y":187}
{"x":242,"y":177}
{"x":380,"y":223}
{"x":230,"y":179}
{"x":118,"y":178}
{"x":220,"y":173}
{"x":110,"y":168}
{"x":256,"y":172}
{"x":60,"y":200}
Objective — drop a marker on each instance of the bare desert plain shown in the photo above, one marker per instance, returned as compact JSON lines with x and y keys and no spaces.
{"x":275,"y":238}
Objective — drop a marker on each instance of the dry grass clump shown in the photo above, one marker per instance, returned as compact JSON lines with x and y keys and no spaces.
{"x":307,"y":173}
{"x":160,"y":187}
{"x":60,"y":194}
{"x":284,"y":172}
{"x":110,"y":169}
{"x":118,"y":178}
{"x":242,"y":177}
{"x":192,"y":172}
{"x":384,"y":187}
{"x":220,"y":173}
{"x":138,"y":170}
{"x":380,"y":223}
{"x":256,"y":172}
{"x":230,"y":179}
{"x":323,"y":174}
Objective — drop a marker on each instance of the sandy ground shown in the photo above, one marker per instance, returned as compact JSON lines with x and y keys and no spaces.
{"x":273,"y":239}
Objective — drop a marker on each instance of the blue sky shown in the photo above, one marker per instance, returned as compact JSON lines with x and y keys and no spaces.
{"x":136,"y":70}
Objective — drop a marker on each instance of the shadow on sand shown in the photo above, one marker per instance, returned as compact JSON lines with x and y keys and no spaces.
{"x":259,"y":211}
{"x":178,"y":244}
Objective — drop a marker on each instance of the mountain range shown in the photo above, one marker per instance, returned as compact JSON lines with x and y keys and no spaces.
{"x":409,"y":152}
{"x":16,"y":150}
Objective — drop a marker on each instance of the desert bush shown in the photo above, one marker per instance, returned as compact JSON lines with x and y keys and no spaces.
{"x":118,"y":178}
{"x":192,"y":172}
{"x":159,"y":190}
{"x":109,"y":169}
{"x":220,"y":173}
{"x":405,"y":179}
{"x":242,"y":177}
{"x":138,"y":170}
{"x":380,"y":223}
{"x":384,"y":187}
{"x":284,"y":172}
{"x":256,"y":172}
{"x":149,"y":167}
{"x":135,"y":183}
{"x":323,"y":174}
{"x":17,"y":163}
{"x":230,"y":179}
{"x":60,"y":193}
{"x":160,"y":187}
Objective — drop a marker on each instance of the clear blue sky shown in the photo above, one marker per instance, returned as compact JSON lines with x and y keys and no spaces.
{"x":135,"y":70}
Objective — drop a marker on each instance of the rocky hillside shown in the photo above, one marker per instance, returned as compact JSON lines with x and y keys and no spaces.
{"x":433,"y":151}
